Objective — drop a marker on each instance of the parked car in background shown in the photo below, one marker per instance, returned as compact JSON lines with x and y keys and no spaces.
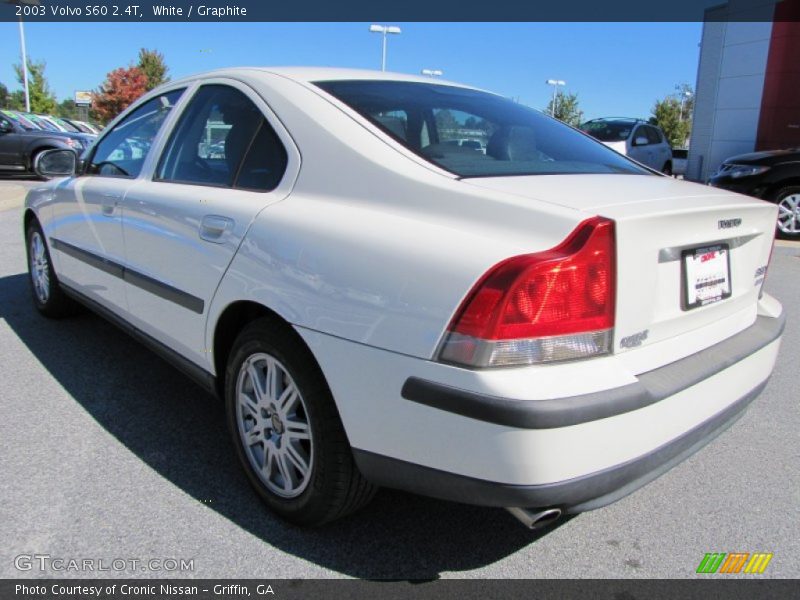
{"x":41,"y":122}
{"x":469,"y":143}
{"x":67,"y":125}
{"x":545,"y":327}
{"x":21,"y":141}
{"x":773,"y":176}
{"x":83,"y":126}
{"x":637,"y":139}
{"x":680,"y":158}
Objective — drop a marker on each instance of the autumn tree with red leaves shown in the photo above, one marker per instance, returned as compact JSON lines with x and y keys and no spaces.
{"x":121,"y":87}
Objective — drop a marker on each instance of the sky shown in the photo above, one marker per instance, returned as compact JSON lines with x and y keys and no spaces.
{"x":617,"y":69}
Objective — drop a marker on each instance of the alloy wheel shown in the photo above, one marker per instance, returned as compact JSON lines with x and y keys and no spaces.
{"x":40,"y":268}
{"x":273,"y":426}
{"x":789,"y":214}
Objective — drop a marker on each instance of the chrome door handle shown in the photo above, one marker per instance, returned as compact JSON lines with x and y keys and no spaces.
{"x":213,"y":227}
{"x":110,"y":203}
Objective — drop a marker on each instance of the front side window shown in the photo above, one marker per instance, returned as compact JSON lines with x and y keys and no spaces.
{"x":640,"y":137}
{"x":223,"y":140}
{"x":122,"y":151}
{"x":476,"y":134}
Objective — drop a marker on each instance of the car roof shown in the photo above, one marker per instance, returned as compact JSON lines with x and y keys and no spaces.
{"x":314,"y":74}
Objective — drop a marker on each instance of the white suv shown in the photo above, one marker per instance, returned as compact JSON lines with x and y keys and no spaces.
{"x":637,"y":139}
{"x":544,"y":327}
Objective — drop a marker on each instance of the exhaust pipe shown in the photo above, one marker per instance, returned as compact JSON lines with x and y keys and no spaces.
{"x":536,"y":520}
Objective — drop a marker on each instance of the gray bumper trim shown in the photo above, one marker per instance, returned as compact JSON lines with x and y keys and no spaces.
{"x":651,"y":387}
{"x":573,"y":495}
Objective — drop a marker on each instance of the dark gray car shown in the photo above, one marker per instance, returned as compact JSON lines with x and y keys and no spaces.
{"x":21,"y":141}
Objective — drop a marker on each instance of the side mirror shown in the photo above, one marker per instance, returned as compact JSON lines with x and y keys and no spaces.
{"x":56,"y":163}
{"x":641,"y":141}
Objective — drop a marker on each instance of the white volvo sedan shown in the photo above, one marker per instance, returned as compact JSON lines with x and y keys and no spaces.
{"x":541,"y":324}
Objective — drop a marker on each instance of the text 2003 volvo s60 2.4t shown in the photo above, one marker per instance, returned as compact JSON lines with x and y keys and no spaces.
{"x":540,"y":324}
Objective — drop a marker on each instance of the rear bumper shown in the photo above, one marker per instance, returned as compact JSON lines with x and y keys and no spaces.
{"x":575,"y":495}
{"x":756,"y":345}
{"x":519,"y":437}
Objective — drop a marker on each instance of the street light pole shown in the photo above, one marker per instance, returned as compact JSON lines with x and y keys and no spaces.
{"x":24,"y":53}
{"x":684,"y":96}
{"x":555,"y":83}
{"x":24,"y":66}
{"x":384,"y":30}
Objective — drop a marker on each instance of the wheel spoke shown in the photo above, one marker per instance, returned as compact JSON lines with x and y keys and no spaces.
{"x":285,"y":470}
{"x":269,"y":458}
{"x":248,"y":404}
{"x":253,"y":436}
{"x":273,"y":375}
{"x":297,"y":460}
{"x":297,"y":430}
{"x":288,"y":398}
{"x":255,"y":379}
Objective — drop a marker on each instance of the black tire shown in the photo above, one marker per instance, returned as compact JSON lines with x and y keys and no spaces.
{"x":667,"y":169}
{"x":53,"y":303}
{"x":780,"y":197}
{"x":333,"y":487}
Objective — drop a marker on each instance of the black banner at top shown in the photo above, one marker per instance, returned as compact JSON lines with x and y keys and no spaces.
{"x":406,"y":10}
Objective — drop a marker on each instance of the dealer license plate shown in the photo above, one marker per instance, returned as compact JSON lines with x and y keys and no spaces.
{"x":707,"y":275}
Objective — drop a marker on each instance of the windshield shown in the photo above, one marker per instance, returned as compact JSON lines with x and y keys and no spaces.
{"x":20,"y":120}
{"x":609,"y":131}
{"x":66,"y":125}
{"x":41,"y":123}
{"x":476,"y":134}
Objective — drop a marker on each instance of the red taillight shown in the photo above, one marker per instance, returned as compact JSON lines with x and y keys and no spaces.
{"x":560,"y":292}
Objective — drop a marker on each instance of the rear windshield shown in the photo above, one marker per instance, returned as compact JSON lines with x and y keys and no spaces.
{"x":609,"y":131}
{"x":476,"y":134}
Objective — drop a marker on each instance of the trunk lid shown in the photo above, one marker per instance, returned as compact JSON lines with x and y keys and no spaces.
{"x":659,"y":221}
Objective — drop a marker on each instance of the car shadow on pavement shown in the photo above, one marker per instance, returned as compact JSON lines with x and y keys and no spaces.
{"x":179,"y":431}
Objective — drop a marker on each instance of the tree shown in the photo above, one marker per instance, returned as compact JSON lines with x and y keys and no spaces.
{"x":42,"y":99}
{"x":16,"y":100}
{"x":68,"y":109}
{"x":151,"y":62}
{"x":567,"y":109}
{"x":121,"y":87}
{"x":674,"y":115}
{"x":4,"y":96}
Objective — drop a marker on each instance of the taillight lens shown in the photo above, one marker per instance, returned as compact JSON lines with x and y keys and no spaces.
{"x":543,"y":307}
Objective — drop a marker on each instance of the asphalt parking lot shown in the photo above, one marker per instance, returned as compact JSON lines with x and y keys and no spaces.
{"x":109,"y":453}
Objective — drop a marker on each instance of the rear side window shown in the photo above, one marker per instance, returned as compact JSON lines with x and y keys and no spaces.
{"x":223,"y":140}
{"x":121,"y":152}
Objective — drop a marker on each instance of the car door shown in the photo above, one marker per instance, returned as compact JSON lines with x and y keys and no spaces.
{"x":10,"y":146}
{"x":225,"y":160}
{"x":86,"y":228}
{"x":662,"y":152}
{"x":640,"y":149}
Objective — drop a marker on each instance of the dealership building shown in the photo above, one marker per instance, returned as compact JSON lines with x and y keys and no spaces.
{"x":748,"y":83}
